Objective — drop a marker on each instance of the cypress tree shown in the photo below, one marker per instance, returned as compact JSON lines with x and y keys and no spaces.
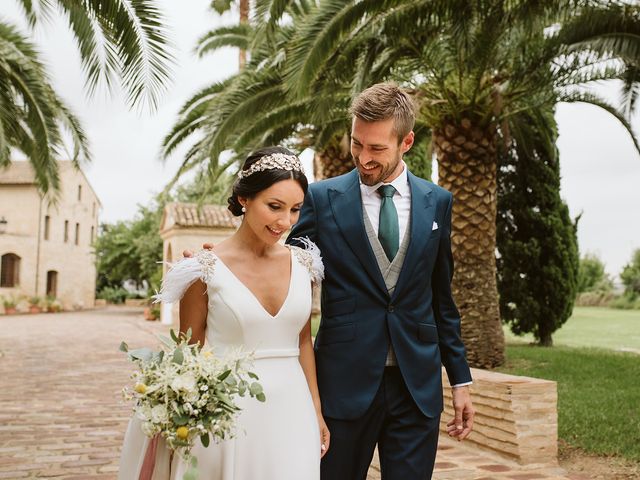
{"x":536,"y":239}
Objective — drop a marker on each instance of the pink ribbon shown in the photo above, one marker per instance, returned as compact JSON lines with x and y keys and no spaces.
{"x":149,"y":463}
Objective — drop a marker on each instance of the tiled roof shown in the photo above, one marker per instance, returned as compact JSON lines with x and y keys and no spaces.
{"x":192,"y":215}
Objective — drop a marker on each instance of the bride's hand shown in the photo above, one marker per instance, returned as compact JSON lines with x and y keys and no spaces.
{"x":325,"y":436}
{"x":189,"y":253}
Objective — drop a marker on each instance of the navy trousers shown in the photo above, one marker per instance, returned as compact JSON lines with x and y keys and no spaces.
{"x":407,"y":440}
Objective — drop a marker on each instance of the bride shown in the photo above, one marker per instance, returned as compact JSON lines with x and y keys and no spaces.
{"x":254,"y":292}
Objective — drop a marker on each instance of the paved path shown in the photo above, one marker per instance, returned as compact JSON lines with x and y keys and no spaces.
{"x":61,"y":412}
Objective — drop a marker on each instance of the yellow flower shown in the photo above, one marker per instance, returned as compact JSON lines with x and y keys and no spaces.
{"x":140,"y":388}
{"x":207,"y":354}
{"x":182,"y":433}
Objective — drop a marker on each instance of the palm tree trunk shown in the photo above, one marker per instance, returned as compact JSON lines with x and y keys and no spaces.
{"x":244,"y":18}
{"x":467,"y":163}
{"x":334,"y":159}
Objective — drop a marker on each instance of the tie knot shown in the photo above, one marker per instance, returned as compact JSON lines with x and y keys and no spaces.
{"x":386,"y":191}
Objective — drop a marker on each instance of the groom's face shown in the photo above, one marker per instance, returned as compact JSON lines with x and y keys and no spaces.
{"x":376,"y":150}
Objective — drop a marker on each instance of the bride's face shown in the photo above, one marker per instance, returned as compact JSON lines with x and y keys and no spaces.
{"x":272,"y":212}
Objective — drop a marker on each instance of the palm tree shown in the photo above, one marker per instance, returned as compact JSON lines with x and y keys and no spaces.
{"x":253,"y":108}
{"x":31,"y":114}
{"x":473,"y":67}
{"x":117,"y":39}
{"x":222,"y":6}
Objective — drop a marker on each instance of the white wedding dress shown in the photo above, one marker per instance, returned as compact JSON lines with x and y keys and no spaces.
{"x":275,"y":440}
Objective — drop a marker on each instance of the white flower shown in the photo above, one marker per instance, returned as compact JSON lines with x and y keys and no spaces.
{"x":148,"y":429}
{"x":185,"y":382}
{"x":192,"y":397}
{"x":159,"y":414}
{"x":143,"y":412}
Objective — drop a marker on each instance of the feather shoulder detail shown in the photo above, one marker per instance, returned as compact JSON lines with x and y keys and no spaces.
{"x":183,"y":273}
{"x":310,"y":257}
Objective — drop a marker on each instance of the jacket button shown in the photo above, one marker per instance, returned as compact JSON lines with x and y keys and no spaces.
{"x":390,"y":308}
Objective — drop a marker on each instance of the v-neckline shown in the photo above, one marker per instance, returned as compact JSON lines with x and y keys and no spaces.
{"x":254,"y":296}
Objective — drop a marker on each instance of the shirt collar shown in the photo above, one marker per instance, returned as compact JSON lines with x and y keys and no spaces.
{"x":401,"y":184}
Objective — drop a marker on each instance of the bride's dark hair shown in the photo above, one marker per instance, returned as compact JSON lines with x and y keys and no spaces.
{"x":249,"y":187}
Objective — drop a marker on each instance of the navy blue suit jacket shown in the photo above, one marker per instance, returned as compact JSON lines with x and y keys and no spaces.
{"x":360,"y":319}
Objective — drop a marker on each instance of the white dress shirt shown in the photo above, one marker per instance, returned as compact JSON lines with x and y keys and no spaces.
{"x":372,"y":201}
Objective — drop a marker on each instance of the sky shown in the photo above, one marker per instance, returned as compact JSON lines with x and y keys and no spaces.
{"x":599,"y":166}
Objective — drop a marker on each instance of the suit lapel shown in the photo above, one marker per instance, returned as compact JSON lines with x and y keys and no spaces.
{"x":346,"y":206}
{"x":421,"y":221}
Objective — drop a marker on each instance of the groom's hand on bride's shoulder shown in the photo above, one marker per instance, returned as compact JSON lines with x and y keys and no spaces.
{"x":189,"y":253}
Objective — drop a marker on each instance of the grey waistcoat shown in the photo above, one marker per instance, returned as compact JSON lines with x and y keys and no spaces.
{"x":390,"y":270}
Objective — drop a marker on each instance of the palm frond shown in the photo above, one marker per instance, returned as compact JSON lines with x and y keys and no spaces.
{"x":316,"y":38}
{"x":611,"y":30}
{"x":30,"y":112}
{"x":123,"y":38}
{"x":227,"y":36}
{"x":593,"y":99}
{"x":630,"y":90}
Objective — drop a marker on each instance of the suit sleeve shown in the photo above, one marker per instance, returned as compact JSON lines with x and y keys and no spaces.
{"x":306,"y":226}
{"x":444,"y":308}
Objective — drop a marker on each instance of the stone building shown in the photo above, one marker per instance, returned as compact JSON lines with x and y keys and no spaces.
{"x":46,"y":247}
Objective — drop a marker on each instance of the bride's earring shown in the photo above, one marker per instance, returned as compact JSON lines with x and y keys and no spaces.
{"x":244,"y":209}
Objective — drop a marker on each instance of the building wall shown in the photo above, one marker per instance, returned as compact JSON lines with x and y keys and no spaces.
{"x":19,"y":205}
{"x":75,"y":264}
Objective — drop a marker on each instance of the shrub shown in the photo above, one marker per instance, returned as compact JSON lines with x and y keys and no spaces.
{"x":9,"y":302}
{"x":626,"y":302}
{"x":113,"y":294}
{"x":594,"y":299}
{"x":35,"y":301}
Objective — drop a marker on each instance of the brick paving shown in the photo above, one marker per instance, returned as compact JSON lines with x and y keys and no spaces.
{"x":62,"y":414}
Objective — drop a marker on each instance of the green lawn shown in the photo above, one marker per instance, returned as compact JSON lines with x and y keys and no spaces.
{"x":595,"y":327}
{"x":598,"y":394}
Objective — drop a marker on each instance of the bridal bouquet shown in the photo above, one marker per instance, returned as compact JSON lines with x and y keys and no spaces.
{"x":182,"y":393}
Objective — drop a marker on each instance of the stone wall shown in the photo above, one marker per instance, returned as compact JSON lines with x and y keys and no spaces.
{"x":515,"y":416}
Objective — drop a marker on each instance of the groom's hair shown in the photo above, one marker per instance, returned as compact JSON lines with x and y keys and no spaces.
{"x":383,"y":101}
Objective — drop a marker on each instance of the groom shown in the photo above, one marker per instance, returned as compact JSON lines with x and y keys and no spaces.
{"x":388,"y":317}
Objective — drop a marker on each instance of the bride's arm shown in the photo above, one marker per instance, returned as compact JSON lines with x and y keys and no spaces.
{"x":308,"y":363}
{"x":193,"y":311}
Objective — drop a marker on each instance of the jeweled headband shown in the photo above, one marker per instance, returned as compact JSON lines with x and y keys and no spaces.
{"x":275,"y":161}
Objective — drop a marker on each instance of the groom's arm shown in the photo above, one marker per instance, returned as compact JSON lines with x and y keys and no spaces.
{"x":306,"y":225}
{"x":448,"y":321}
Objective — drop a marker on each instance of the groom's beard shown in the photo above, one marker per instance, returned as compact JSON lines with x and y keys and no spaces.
{"x":379,"y":174}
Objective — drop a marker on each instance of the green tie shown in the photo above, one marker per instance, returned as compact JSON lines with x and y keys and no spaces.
{"x":388,"y":231}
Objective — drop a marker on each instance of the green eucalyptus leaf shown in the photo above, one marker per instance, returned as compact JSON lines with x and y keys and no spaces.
{"x":180,"y":419}
{"x":260,"y":397}
{"x":178,"y":356}
{"x":167,"y":341}
{"x":255,"y":389}
{"x":205,"y":439}
{"x":144,"y":354}
{"x":124,"y":347}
